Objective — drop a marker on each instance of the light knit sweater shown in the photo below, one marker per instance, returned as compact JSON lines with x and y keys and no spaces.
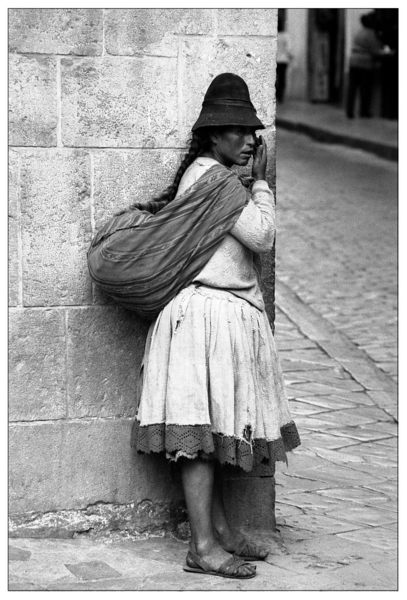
{"x":234,"y":266}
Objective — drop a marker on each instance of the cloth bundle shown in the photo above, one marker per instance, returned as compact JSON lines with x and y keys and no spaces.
{"x":144,"y":256}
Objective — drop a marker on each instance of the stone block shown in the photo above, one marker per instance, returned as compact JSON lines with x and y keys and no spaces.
{"x":119,"y":103}
{"x":250,"y":502}
{"x":56,"y":227}
{"x":269,"y":135}
{"x":378,"y":537}
{"x":122,"y":178}
{"x":73,"y":464}
{"x":105,"y":349}
{"x":32,"y":101}
{"x":247,"y":21}
{"x":56,"y":30}
{"x":201,"y":60}
{"x":37,"y":371}
{"x":14,"y":258}
{"x":153,"y":31}
{"x":366,"y":515}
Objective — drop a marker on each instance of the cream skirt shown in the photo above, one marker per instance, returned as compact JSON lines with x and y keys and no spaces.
{"x":212,"y":383}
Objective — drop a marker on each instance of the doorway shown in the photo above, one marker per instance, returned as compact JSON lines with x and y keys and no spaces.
{"x":326,"y":36}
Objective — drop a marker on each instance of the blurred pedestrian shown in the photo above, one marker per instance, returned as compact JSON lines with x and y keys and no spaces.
{"x":284,"y":57}
{"x":366,"y":50}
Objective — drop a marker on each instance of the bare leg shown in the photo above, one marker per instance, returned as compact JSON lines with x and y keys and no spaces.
{"x":219,"y":520}
{"x":197,"y":480}
{"x":228,"y":537}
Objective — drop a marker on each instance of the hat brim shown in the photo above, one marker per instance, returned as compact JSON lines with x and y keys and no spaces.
{"x":220,"y":116}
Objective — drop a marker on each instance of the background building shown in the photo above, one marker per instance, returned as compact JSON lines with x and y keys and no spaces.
{"x":321,"y":44}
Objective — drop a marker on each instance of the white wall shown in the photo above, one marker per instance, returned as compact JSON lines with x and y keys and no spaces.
{"x":297,"y":27}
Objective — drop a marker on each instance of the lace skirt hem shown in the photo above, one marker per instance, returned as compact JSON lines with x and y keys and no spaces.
{"x":196,"y":441}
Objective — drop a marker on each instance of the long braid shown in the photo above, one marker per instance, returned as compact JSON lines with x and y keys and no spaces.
{"x":196,"y":146}
{"x":200,"y":142}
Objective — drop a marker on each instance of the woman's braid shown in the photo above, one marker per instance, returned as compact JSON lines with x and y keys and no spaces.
{"x":194,"y":149}
{"x":200,"y":142}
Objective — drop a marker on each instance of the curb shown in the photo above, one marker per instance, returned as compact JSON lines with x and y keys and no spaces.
{"x":382,"y":388}
{"x":330,"y":137}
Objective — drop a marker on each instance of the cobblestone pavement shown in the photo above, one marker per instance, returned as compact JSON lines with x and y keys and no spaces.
{"x":336,"y":501}
{"x":337,"y":239}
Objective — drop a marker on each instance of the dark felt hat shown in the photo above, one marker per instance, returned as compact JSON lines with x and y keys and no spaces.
{"x":227,"y":102}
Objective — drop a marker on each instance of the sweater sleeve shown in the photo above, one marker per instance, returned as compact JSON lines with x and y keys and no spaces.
{"x":255,"y":227}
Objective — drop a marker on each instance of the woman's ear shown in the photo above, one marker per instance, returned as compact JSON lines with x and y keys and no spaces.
{"x":214,"y":138}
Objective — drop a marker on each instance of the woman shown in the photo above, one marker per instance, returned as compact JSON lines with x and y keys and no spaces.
{"x":212,"y":386}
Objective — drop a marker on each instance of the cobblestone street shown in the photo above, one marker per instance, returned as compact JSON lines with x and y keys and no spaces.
{"x":337,"y":239}
{"x":336,"y":330}
{"x":337,"y":336}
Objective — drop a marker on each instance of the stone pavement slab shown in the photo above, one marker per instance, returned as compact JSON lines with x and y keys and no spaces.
{"x":361,"y":433}
{"x":18,"y":554}
{"x":311,"y":439}
{"x":91,"y":570}
{"x":303,"y":408}
{"x":364,"y":515}
{"x":389,"y":441}
{"x":327,"y":403}
{"x":359,"y":495}
{"x":379,"y":537}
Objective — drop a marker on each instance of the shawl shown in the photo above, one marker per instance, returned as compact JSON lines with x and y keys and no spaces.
{"x":145,"y":255}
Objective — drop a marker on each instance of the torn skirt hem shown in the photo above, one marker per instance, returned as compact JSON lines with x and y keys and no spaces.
{"x":199,"y":441}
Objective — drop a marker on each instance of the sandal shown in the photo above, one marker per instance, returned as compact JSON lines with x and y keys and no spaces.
{"x":249,"y":550}
{"x":229,"y":568}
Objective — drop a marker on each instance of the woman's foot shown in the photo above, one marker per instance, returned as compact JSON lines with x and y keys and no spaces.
{"x":235,"y":542}
{"x":214,"y":556}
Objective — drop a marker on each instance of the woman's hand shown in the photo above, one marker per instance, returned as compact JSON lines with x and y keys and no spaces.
{"x":260,"y":160}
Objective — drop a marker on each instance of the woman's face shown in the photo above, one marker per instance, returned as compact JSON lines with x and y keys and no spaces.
{"x":233,"y":145}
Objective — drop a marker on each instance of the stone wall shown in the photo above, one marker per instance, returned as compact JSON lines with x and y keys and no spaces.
{"x":101,"y":103}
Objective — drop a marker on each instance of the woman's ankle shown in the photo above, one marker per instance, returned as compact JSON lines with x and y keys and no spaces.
{"x":224,"y":532}
{"x":221,"y":529}
{"x":204,"y":545}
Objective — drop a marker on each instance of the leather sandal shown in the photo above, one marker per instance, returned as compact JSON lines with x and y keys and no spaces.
{"x":229,"y":568}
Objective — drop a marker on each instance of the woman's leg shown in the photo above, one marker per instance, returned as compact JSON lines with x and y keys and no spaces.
{"x":366,"y":89}
{"x":198,"y":480}
{"x":228,"y":537}
{"x":220,"y":523}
